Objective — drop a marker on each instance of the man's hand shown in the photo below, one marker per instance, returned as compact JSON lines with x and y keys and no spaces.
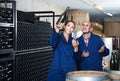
{"x":85,"y":53}
{"x":101,"y":49}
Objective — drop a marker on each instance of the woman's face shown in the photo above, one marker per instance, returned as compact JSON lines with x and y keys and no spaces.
{"x":86,"y":27}
{"x":69,"y":27}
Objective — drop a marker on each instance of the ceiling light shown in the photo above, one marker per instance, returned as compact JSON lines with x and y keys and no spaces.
{"x":98,"y":7}
{"x":109,"y":14}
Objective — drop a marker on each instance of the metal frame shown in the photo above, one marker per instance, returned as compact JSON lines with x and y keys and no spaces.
{"x":14,"y":23}
{"x":45,"y":12}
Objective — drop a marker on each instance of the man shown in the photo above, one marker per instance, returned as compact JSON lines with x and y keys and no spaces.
{"x":91,"y":49}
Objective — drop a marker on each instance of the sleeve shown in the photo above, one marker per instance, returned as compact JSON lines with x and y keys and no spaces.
{"x":54,"y":39}
{"x":101,"y":43}
{"x":106,"y":51}
{"x":77,"y":55}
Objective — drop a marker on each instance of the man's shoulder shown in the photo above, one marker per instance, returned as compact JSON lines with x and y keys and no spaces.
{"x":95,"y":35}
{"x":79,"y":38}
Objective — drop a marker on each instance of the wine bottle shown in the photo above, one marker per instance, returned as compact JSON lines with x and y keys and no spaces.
{"x":116,"y":62}
{"x":63,"y":16}
{"x":112,"y":62}
{"x":62,"y":19}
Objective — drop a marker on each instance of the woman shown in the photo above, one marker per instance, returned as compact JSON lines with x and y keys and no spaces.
{"x":63,"y":59}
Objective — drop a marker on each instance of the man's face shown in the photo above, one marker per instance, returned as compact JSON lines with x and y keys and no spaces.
{"x":86,"y":27}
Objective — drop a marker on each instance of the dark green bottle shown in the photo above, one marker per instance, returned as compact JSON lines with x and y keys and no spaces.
{"x":112,"y":62}
{"x":116,"y":62}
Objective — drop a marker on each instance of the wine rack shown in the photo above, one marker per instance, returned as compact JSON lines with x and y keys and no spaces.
{"x":6,"y":15}
{"x":7,"y":9}
{"x":7,"y":23}
{"x":33,"y":64}
{"x":7,"y":38}
{"x":6,"y":65}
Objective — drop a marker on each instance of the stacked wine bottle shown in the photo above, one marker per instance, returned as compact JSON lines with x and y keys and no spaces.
{"x":114,"y":61}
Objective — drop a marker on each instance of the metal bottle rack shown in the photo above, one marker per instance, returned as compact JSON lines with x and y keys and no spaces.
{"x":7,"y":23}
{"x":7,"y":33}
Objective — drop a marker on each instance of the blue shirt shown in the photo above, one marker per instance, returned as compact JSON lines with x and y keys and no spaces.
{"x":63,"y":57}
{"x":94,"y":60}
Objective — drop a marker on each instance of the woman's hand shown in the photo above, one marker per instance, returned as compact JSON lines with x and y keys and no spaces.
{"x":75,"y":44}
{"x":58,"y":27}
